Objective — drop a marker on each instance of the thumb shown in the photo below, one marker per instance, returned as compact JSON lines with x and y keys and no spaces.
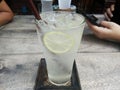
{"x":107,"y":24}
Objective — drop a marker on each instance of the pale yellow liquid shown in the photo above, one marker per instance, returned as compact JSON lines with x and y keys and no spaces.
{"x":60,"y":65}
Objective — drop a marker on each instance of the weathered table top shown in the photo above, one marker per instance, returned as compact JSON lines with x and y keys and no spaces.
{"x":98,"y":61}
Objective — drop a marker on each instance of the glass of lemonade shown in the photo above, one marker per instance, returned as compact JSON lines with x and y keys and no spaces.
{"x":60,"y":39}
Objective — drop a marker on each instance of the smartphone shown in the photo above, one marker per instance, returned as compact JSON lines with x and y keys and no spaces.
{"x":91,"y":18}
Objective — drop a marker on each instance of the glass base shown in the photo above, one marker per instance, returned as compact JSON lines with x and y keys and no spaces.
{"x":42,"y":82}
{"x":68,"y":83}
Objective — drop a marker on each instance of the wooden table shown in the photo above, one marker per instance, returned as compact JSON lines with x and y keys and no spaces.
{"x":98,"y":61}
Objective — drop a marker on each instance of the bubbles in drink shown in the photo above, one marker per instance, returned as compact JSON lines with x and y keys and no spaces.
{"x":61,"y":38}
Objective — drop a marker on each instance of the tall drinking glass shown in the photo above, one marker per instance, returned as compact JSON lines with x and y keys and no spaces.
{"x":60,"y":39}
{"x":47,"y":5}
{"x":64,"y":4}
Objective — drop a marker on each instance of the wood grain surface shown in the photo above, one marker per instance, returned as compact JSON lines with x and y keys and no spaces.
{"x":98,"y":60}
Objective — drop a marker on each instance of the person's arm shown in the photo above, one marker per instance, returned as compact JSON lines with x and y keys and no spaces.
{"x":109,"y":31}
{"x":6,"y":13}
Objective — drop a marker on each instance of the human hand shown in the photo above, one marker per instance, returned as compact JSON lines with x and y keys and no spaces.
{"x":108,"y":13}
{"x":109,"y":31}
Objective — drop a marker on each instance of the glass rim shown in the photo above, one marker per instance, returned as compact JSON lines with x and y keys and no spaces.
{"x":71,"y":27}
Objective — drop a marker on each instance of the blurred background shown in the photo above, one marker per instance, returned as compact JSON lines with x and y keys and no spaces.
{"x":21,"y":7}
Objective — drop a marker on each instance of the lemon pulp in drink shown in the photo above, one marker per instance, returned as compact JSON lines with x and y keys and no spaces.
{"x":61,"y":38}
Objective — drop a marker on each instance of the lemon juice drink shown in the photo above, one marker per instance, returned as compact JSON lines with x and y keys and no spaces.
{"x":60,"y":39}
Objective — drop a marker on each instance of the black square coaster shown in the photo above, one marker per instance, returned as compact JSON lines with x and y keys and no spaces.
{"x":40,"y":79}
